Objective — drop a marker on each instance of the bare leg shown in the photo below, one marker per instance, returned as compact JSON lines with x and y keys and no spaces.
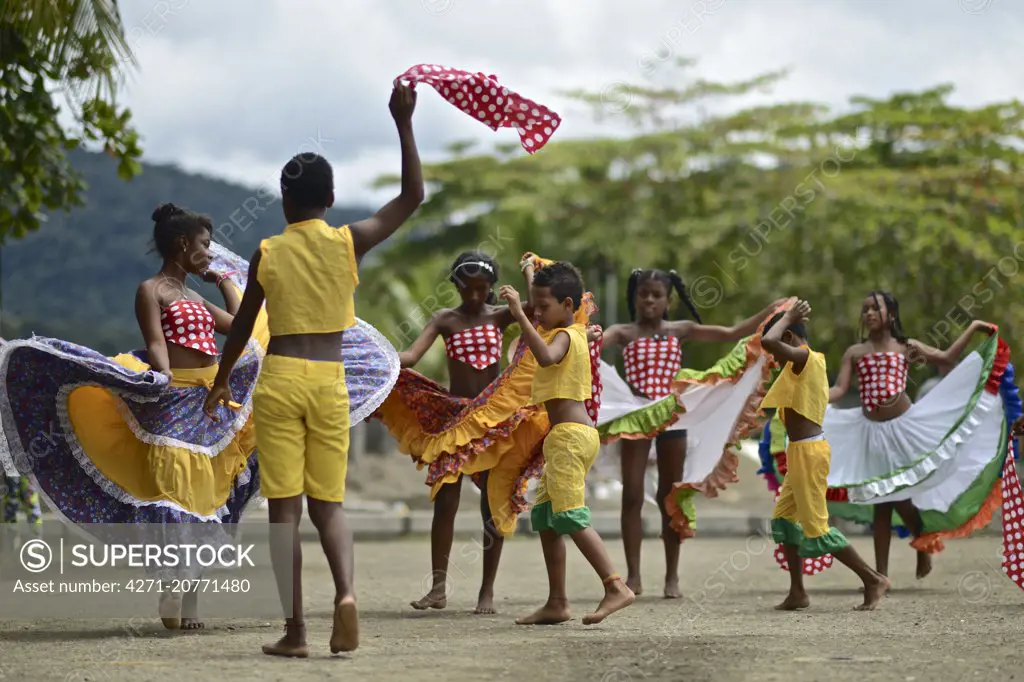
{"x":190,"y":609}
{"x":671,"y":456}
{"x":912,"y":520}
{"x":556,"y":609}
{"x":336,"y":540}
{"x":442,"y":534}
{"x":875,"y":583}
{"x":797,"y":598}
{"x":634,"y":468}
{"x":617,"y":594}
{"x":286,"y":556}
{"x":883,"y":537}
{"x":493,"y":543}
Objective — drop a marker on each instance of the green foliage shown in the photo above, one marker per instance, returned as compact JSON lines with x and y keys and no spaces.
{"x":76,"y":279}
{"x":79,"y":47}
{"x":908,"y":193}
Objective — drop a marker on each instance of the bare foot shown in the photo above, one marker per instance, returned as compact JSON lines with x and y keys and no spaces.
{"x":292,"y":645}
{"x":924,"y":564}
{"x":873,"y":592}
{"x":552,"y":613}
{"x":636,"y":585}
{"x":485,"y":603}
{"x":190,"y":612}
{"x":794,"y":602}
{"x":435,"y":599}
{"x":170,"y":609}
{"x":192,"y":624}
{"x":616,"y":596}
{"x":671,"y":589}
{"x":345,"y":635}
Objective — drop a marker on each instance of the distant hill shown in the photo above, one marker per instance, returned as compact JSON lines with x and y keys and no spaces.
{"x":76,"y":277}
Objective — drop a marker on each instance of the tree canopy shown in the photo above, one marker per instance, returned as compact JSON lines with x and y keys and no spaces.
{"x":58,"y":54}
{"x":908,"y":193}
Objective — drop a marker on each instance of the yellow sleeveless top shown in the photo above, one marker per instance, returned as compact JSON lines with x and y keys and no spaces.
{"x":569,"y":379}
{"x":309,"y":277}
{"x":805,"y":393}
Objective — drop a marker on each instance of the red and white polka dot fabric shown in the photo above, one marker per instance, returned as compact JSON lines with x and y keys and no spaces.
{"x":651,"y":364}
{"x":479,"y":347}
{"x":811,"y":566}
{"x":188,"y":323}
{"x":882,"y":378}
{"x":594,"y":404}
{"x":1013,"y":524}
{"x":486,"y":100}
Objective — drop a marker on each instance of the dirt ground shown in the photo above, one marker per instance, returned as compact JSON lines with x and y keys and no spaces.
{"x":962,"y":623}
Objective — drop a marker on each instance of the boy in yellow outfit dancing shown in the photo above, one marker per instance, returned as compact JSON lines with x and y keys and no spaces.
{"x":800,"y":519}
{"x":562,"y":382}
{"x":308,"y":276}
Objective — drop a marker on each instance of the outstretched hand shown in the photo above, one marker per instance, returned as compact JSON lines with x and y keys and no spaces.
{"x":403,"y":102}
{"x":594,"y":332}
{"x":509,"y":294}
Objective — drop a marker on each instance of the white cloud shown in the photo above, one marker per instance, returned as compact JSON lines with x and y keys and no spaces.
{"x":233,"y":87}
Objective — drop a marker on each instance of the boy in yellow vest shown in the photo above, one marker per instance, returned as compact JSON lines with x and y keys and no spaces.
{"x":800,"y":519}
{"x":562,"y":382}
{"x":308,"y":276}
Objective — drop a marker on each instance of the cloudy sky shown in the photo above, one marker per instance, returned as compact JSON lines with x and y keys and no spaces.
{"x":233,"y":88}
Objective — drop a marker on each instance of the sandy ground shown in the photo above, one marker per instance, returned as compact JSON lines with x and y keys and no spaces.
{"x":962,"y":623}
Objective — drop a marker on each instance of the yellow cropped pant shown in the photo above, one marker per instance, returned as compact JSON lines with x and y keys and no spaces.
{"x":300,"y":408}
{"x":801,"y":512}
{"x":569,"y":451}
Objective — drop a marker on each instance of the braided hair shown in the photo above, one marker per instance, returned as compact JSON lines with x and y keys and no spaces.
{"x":670,"y":280}
{"x":892,"y":310}
{"x":475,"y":264}
{"x":171,"y":223}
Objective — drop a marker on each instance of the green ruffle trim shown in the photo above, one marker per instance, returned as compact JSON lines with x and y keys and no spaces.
{"x":542,"y":517}
{"x":831,"y":542}
{"x":653,"y":418}
{"x":785,"y":532}
{"x":684,"y":499}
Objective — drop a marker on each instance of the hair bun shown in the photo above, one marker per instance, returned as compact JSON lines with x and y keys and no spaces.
{"x":165,"y":211}
{"x":636,"y":271}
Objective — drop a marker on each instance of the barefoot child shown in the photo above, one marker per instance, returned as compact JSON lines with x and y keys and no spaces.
{"x":800,"y":519}
{"x":562,"y":382}
{"x":308,"y":275}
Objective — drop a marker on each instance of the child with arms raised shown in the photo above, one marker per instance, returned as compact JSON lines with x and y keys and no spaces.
{"x":562,"y":383}
{"x":800,"y":518}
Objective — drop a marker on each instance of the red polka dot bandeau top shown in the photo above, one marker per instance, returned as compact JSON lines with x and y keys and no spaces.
{"x":652,"y":363}
{"x":882,"y":378}
{"x":479,"y":347}
{"x":188,"y":323}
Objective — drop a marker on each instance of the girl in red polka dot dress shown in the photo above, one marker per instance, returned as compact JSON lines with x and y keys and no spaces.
{"x":935,"y":462}
{"x":648,"y":416}
{"x":478,"y":426}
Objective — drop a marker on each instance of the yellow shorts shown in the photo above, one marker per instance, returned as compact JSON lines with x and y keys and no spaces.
{"x":800,"y":517}
{"x":569,"y":451}
{"x":302,"y":428}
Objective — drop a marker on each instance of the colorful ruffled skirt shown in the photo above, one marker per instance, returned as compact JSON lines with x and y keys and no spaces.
{"x":109,"y":441}
{"x":947,"y":454}
{"x":717,"y":407}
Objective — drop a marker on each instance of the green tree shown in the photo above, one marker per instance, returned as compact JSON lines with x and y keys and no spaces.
{"x":53,"y":52}
{"x":908,"y":193}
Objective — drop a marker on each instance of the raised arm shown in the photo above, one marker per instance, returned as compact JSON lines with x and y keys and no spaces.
{"x":368,"y":233}
{"x":843,"y":380}
{"x":782,"y":351}
{"x":688,"y":329}
{"x":147,"y":312}
{"x":615,"y":335}
{"x":546,"y":354}
{"x":222,"y":319}
{"x":422,"y":344}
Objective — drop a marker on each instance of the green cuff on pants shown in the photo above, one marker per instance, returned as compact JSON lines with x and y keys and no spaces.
{"x":829,"y":543}
{"x":786,"y":532}
{"x":542,"y":517}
